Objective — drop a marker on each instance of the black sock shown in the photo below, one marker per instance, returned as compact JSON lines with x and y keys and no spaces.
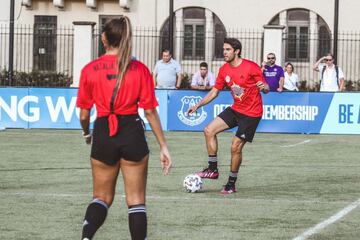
{"x":137,"y":222}
{"x":213,"y":162}
{"x":95,"y":216}
{"x":232,"y":178}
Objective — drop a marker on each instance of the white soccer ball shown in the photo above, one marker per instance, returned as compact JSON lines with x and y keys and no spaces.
{"x":192,"y":183}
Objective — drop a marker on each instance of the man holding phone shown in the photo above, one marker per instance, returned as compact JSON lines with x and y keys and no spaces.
{"x":274,"y":74}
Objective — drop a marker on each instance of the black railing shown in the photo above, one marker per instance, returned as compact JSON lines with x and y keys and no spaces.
{"x":43,"y":55}
{"x":148,"y":43}
{"x":308,"y":48}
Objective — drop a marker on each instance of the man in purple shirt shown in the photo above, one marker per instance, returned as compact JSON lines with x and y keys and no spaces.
{"x":274,"y":74}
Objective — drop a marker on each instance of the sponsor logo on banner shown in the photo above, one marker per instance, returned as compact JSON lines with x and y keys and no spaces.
{"x":290,"y":112}
{"x":191,"y":119}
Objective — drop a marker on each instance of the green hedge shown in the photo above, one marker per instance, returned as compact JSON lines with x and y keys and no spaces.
{"x":55,"y":79}
{"x":36,"y":79}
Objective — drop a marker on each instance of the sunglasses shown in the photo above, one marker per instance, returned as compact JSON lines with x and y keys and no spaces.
{"x":270,"y":58}
{"x":328,"y":60}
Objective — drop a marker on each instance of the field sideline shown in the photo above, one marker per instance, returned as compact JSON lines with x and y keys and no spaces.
{"x":288,"y":185}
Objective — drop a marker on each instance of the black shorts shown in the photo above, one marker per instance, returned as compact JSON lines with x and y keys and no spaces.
{"x":129,"y":142}
{"x":246,"y":125}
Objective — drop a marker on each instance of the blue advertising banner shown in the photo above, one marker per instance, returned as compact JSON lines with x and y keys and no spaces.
{"x":321,"y":101}
{"x":57,"y":108}
{"x":287,"y":112}
{"x":294,"y":112}
{"x":343,"y":115}
{"x":52,"y":108}
{"x":181,"y":101}
{"x":162,"y":98}
{"x":14,"y":108}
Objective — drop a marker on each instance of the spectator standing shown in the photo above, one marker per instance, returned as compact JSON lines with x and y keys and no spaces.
{"x":167,"y":72}
{"x":332,"y":77}
{"x":291,"y":79}
{"x":203,"y":79}
{"x":274,"y":74}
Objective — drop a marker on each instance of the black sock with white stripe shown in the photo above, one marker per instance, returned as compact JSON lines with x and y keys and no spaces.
{"x":137,"y":222}
{"x":95,"y":216}
{"x":232,"y":178}
{"x":213,"y":162}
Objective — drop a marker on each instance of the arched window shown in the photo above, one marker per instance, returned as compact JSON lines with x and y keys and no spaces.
{"x":164,"y":37}
{"x":297,"y":38}
{"x":275,"y":20}
{"x":297,"y":47}
{"x":194,"y":35}
{"x":324,"y":38}
{"x":220,"y":35}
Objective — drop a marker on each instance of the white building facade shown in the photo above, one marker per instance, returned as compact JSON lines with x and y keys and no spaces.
{"x":299,"y":31}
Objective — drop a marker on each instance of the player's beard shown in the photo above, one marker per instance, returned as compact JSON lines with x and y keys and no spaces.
{"x":229,"y":59}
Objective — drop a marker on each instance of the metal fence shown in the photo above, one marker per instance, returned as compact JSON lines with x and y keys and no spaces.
{"x":303,"y":51}
{"x":148,"y":43}
{"x":252,"y":48}
{"x":43,"y":55}
{"x":349,"y":58}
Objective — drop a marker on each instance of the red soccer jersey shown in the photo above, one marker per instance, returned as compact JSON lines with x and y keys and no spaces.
{"x":242,"y":82}
{"x":98,"y":80}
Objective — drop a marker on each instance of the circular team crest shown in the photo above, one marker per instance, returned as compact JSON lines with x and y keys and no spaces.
{"x":227,"y":78}
{"x":194,"y":119}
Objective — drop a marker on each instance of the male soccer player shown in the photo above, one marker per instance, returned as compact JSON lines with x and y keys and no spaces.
{"x":246,"y":81}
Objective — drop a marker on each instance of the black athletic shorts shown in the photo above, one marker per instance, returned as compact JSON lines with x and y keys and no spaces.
{"x":129,"y":142}
{"x":246,"y":125}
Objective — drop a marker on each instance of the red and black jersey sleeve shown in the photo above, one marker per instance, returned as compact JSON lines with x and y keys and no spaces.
{"x":147,"y":98}
{"x":84,"y":96}
{"x":220,"y":80}
{"x":257,"y":74}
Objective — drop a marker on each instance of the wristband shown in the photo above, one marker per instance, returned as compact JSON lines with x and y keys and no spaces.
{"x":87,"y":135}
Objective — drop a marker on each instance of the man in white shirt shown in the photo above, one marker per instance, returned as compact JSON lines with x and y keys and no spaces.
{"x":203,"y":79}
{"x":332,"y":77}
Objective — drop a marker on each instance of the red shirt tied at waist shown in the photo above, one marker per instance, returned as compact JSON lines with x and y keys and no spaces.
{"x":97,"y":82}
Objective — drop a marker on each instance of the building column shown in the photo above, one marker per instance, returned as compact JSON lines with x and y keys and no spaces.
{"x":83,"y":48}
{"x":314,"y":43}
{"x":283,"y":18}
{"x":273,"y":42}
{"x":209,"y":36}
{"x":179,"y":34}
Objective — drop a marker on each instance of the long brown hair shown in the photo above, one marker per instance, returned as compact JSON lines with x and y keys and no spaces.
{"x":118,"y":33}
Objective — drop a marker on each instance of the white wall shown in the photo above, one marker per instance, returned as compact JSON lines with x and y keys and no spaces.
{"x":349,"y":16}
{"x":152,"y":13}
{"x":78,"y":11}
{"x":255,"y":14}
{"x":234,"y":14}
{"x":5,"y":11}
